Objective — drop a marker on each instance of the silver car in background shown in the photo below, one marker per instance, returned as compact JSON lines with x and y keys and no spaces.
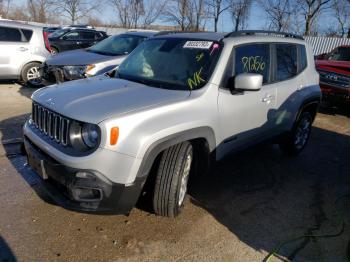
{"x":23,"y":49}
{"x":95,"y":60}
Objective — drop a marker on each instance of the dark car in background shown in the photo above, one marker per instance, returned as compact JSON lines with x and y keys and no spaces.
{"x":334,"y":70}
{"x":70,"y":38}
{"x":50,"y":30}
{"x":95,"y":60}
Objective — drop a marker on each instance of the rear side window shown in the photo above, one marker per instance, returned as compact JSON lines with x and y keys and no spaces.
{"x":27,"y":34}
{"x":10,"y":35}
{"x":303,"y":58}
{"x":253,"y":58}
{"x":287,"y":62}
{"x":88,"y":35}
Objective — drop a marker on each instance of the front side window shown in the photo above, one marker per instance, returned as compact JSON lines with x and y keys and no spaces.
{"x":59,"y":32}
{"x":340,"y":54}
{"x":254,"y":58}
{"x":72,"y":36}
{"x":171,"y":63}
{"x":287,"y":62}
{"x":117,"y":45}
{"x":10,"y":35}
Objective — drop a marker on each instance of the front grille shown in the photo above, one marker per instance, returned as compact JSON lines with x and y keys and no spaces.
{"x":331,"y":78}
{"x":51,"y":124}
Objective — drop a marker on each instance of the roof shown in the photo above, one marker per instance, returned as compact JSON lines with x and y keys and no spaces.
{"x":210,"y":36}
{"x":141,"y":33}
{"x":18,"y":24}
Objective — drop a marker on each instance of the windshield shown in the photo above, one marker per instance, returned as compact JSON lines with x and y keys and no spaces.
{"x":60,"y":32}
{"x":171,"y":63}
{"x":340,"y":54}
{"x":117,"y":45}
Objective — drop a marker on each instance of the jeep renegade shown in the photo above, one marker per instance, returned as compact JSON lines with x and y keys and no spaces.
{"x":176,"y":100}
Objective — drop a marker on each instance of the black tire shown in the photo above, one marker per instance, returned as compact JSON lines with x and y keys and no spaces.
{"x":172,"y":171}
{"x":26,"y":73}
{"x":299,"y":136}
{"x":54,"y":50}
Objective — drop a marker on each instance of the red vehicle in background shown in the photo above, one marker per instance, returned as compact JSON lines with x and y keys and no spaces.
{"x":334,"y":70}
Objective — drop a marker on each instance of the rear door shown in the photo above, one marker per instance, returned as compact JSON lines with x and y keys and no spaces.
{"x":88,"y":39}
{"x":14,"y":51}
{"x":288,"y":81}
{"x":71,"y":40}
{"x":247,"y":117}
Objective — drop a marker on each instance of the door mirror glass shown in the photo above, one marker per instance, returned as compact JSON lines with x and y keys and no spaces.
{"x":247,"y":82}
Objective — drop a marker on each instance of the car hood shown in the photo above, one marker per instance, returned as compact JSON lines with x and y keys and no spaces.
{"x":78,"y":57}
{"x":342,"y":67}
{"x":96,"y":99}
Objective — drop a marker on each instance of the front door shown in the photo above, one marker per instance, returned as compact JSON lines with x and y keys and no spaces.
{"x":247,"y":117}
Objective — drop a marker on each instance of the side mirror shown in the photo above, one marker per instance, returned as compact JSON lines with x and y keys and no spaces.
{"x":247,"y":82}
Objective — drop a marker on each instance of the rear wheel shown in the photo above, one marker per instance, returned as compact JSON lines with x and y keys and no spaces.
{"x":299,"y":136}
{"x":31,"y":75}
{"x":54,"y":51}
{"x":172,"y":179}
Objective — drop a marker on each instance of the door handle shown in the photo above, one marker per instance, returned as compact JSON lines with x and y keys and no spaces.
{"x":78,"y":43}
{"x":268,"y":98}
{"x":22,"y":49}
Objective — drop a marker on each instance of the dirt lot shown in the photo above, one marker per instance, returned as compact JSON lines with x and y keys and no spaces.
{"x":246,"y":207}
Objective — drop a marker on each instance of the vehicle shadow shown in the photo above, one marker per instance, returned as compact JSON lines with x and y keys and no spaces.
{"x":261,"y":196}
{"x":6,"y":254}
{"x":335,"y":110}
{"x":265,"y":198}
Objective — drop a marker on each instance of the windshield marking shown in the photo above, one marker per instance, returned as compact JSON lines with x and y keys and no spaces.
{"x":199,"y":57}
{"x":253,"y":63}
{"x":198,"y":44}
{"x":196,"y":79}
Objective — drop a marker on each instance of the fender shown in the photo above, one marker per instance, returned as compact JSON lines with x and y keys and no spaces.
{"x":307,"y":102}
{"x":173,"y":139}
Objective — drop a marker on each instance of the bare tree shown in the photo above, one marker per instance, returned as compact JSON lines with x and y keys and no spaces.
{"x":310,"y":10}
{"x":177,"y":13}
{"x":152,"y":11}
{"x":279,"y":14}
{"x":129,"y":12}
{"x":39,"y":10}
{"x":75,"y":10}
{"x":4,"y":8}
{"x":341,"y":10}
{"x":216,"y":8}
{"x":187,"y":14}
{"x":240,"y":13}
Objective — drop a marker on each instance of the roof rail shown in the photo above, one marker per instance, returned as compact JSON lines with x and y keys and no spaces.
{"x":263,"y":32}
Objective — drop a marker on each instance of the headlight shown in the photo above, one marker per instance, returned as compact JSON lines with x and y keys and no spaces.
{"x":74,"y":72}
{"x":84,"y":136}
{"x":89,"y":68}
{"x":90,"y":135}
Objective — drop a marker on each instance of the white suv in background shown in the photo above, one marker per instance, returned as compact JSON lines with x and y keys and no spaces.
{"x":23,"y":48}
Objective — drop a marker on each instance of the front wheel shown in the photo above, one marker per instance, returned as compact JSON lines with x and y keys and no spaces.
{"x":299,"y":136}
{"x":172,"y":179}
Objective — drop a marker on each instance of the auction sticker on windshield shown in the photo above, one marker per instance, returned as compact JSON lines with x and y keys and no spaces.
{"x":198,"y":44}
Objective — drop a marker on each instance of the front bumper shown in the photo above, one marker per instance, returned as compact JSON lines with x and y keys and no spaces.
{"x":335,"y":94}
{"x":82,"y":190}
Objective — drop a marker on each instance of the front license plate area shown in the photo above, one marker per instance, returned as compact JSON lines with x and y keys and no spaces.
{"x":38,"y":165}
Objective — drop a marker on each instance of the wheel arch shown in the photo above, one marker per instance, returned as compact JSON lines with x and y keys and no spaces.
{"x":201,"y":138}
{"x":311,"y":104}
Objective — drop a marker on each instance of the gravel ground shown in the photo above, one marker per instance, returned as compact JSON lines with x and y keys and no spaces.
{"x":241,"y":211}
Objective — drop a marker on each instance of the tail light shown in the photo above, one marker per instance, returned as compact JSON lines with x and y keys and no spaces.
{"x":46,"y":41}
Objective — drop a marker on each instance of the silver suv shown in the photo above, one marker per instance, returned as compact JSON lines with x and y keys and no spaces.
{"x":23,"y":48}
{"x":177,"y":100}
